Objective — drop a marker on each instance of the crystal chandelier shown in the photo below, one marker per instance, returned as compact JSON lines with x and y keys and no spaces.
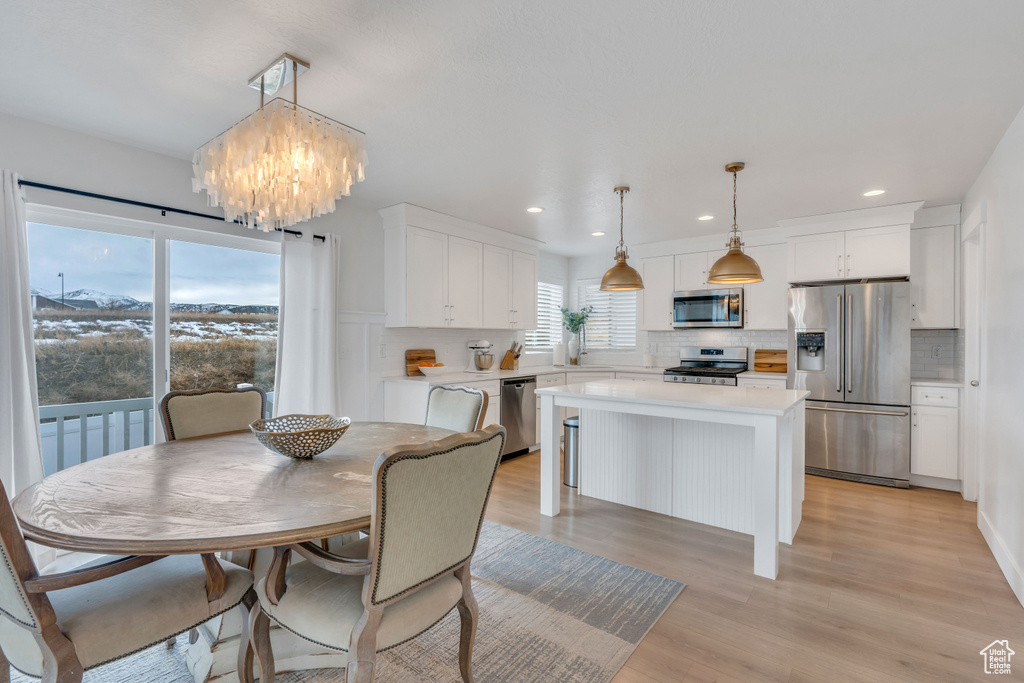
{"x":282,"y":164}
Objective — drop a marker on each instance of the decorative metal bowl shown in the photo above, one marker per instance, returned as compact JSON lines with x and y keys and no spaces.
{"x":300,"y":436}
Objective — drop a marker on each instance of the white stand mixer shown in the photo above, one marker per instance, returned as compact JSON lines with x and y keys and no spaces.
{"x":482,"y":360}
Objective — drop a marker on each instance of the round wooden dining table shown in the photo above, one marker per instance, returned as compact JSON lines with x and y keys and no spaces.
{"x":211,"y":494}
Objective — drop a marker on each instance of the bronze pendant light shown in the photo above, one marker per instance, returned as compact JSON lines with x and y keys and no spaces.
{"x":621,"y":277}
{"x":735,"y":268}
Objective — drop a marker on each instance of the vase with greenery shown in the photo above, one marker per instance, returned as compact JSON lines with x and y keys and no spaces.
{"x":574,"y":322}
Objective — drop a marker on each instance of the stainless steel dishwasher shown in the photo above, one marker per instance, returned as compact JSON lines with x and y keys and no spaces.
{"x":519,"y":413}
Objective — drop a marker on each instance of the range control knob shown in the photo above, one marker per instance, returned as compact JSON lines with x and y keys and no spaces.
{"x":697,"y":380}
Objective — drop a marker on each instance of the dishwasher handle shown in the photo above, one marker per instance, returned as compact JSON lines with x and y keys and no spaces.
{"x":519,"y":382}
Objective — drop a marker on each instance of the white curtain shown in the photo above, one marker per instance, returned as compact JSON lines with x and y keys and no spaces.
{"x":307,"y":347}
{"x":21,"y":459}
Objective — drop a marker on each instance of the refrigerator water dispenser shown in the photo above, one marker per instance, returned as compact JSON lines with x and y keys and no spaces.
{"x":810,"y":351}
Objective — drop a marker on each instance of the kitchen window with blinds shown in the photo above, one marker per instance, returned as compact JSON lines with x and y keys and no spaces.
{"x":612,"y":324}
{"x":549,"y":318}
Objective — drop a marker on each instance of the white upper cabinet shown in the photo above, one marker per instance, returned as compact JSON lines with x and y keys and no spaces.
{"x":816,"y":257}
{"x":427,"y":301}
{"x":441,"y":271}
{"x":465,"y":283}
{"x":497,"y":287}
{"x":766,"y":304}
{"x":524,"y":291}
{"x":850,"y":254}
{"x":655,"y":304}
{"x":691,"y":271}
{"x":933,"y":277}
{"x":878,"y":252}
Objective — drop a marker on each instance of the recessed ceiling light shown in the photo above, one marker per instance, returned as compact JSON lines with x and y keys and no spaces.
{"x":705,"y":218}
{"x":873,"y":193}
{"x":597,"y":234}
{"x":535,"y":209}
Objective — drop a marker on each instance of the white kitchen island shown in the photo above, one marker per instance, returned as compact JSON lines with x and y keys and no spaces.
{"x":731,"y":457}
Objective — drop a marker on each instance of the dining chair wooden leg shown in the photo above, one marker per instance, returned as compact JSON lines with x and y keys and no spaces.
{"x":362,"y":650}
{"x":5,"y":668}
{"x":468,"y":614}
{"x":60,"y":661}
{"x":246,"y":654}
{"x":259,"y":639}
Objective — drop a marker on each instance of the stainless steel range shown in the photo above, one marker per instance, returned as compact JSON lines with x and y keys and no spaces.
{"x":704,"y":365}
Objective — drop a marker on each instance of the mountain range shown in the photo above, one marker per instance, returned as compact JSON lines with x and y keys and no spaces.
{"x":123,"y":302}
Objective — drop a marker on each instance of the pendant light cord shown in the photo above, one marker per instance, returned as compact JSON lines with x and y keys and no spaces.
{"x":734,"y":226}
{"x":622,"y":242}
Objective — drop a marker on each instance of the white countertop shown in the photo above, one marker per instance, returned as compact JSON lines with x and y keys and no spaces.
{"x":460,"y":375}
{"x":923,"y":382}
{"x":730,"y":399}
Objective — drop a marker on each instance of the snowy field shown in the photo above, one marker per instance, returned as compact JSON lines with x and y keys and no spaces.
{"x":195,"y":327}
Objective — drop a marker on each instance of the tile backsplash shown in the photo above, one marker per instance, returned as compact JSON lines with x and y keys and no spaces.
{"x":450,"y":346}
{"x":949,"y":364}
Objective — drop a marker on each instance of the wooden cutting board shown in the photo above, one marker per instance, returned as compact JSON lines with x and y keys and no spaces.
{"x":413,"y":358}
{"x":770,"y":360}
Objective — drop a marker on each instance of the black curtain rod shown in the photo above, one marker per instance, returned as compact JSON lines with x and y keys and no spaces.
{"x":146,"y":205}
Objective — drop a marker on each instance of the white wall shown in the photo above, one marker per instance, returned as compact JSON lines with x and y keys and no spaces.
{"x":56,"y":156}
{"x":998,"y":194}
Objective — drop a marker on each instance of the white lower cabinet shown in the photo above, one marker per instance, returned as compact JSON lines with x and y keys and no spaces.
{"x":543,"y":382}
{"x":640,"y":376}
{"x":761,"y":382}
{"x":935,"y":432}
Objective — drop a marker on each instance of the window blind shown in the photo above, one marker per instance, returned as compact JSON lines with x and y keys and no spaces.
{"x":612,"y":324}
{"x":549,"y":317}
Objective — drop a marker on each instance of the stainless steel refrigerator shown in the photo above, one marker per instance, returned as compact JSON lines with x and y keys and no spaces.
{"x":849,"y":345}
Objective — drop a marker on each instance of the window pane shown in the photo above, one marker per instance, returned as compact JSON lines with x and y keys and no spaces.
{"x":223,"y":305}
{"x":549,"y":317}
{"x":612,"y":323}
{"x":92,"y":296}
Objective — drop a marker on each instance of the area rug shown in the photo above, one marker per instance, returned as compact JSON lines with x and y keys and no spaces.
{"x":548,"y":612}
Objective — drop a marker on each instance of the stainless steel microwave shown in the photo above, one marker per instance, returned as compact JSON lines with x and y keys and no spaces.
{"x":708,"y":308}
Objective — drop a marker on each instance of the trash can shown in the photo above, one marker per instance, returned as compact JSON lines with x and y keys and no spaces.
{"x":571,"y":469}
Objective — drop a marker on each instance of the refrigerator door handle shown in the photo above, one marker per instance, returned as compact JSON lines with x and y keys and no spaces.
{"x":839,"y":329}
{"x":889,"y":413}
{"x":849,"y":327}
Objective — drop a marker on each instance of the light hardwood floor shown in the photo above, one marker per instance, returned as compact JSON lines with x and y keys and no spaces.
{"x":880,"y":585}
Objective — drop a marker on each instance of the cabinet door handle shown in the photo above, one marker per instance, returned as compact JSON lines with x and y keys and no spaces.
{"x":451,"y":314}
{"x":839,"y":265}
{"x":849,"y":263}
{"x":913,"y":312}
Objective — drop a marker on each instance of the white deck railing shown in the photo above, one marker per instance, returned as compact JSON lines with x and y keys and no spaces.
{"x":110,"y":427}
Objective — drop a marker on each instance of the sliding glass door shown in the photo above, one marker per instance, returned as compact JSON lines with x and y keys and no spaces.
{"x":125,"y":311}
{"x":92,"y":309}
{"x":223,"y":317}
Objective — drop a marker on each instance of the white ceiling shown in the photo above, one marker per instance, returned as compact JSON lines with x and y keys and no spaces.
{"x":480,"y":109}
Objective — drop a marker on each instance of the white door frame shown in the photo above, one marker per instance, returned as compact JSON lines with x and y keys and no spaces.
{"x":972,"y":445}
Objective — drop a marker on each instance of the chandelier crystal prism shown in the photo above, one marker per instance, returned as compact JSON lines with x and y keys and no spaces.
{"x":281,"y":165}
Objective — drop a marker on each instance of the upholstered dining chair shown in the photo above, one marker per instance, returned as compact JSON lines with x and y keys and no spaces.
{"x":459,"y":409}
{"x":57,"y":626}
{"x":411,"y":571}
{"x":210,"y":411}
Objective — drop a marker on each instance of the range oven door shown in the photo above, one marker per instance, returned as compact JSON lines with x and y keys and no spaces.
{"x":708,"y":308}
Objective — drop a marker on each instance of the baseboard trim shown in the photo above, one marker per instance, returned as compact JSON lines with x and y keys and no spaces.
{"x":1004,"y":558}
{"x":935,"y":483}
